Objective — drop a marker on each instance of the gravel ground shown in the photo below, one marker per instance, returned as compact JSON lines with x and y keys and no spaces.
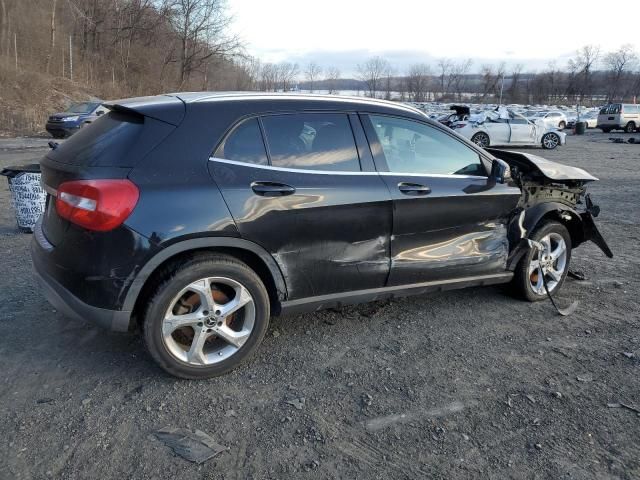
{"x":465,"y":384}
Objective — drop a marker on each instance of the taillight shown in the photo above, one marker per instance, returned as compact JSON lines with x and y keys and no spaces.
{"x":99,"y":205}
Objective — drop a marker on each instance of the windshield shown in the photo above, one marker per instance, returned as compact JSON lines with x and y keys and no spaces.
{"x":84,"y":107}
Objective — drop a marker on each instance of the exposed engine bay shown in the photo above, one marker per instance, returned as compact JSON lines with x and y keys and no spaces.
{"x":549,"y":190}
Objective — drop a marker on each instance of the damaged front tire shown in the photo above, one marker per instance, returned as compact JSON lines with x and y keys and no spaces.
{"x":550,"y":265}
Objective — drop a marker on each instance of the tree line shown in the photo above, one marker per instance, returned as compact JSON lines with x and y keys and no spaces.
{"x":140,"y":47}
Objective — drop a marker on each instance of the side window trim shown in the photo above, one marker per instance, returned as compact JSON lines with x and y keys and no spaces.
{"x":381,"y":162}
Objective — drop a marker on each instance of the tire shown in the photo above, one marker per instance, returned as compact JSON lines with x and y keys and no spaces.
{"x":550,"y":141}
{"x":562,"y":125}
{"x":523,"y":278}
{"x":630,"y":127}
{"x":481,"y":139}
{"x":166,"y":330}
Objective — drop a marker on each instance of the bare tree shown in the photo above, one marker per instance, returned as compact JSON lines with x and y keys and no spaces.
{"x":372,"y":72}
{"x":489,"y":78}
{"x":312,"y":73}
{"x":52,"y":42}
{"x":618,"y":64}
{"x":444,"y":67}
{"x":286,"y":74}
{"x":201,"y":27}
{"x":459,"y":76}
{"x":514,"y":86}
{"x":418,"y":80}
{"x":332,"y":77}
{"x":582,"y":66}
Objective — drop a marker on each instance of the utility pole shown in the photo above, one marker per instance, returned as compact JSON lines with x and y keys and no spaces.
{"x":70,"y":59}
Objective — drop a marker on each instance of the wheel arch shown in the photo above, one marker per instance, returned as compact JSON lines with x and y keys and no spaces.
{"x":248,"y":252}
{"x":555,"y":211}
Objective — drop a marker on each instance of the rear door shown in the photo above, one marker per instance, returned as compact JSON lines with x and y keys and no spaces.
{"x":498,"y":130}
{"x":310,"y":196}
{"x":449,"y":221}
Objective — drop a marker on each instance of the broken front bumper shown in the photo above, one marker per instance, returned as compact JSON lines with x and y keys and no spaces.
{"x":589,"y":228}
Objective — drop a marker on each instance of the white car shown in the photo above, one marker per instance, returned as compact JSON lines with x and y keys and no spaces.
{"x":552,"y":119}
{"x":505,"y":127}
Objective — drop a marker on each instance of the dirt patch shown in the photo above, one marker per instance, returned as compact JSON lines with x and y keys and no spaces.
{"x":466,"y":384}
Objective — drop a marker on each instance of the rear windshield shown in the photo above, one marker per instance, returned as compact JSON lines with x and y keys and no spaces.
{"x":611,"y":109}
{"x":116,"y":139}
{"x":82,"y":107}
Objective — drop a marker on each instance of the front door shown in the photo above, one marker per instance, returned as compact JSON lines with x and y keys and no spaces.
{"x":449,"y":221}
{"x":307,"y":201}
{"x":522,"y":130}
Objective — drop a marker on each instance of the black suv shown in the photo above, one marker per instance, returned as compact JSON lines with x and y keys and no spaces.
{"x":198,"y":216}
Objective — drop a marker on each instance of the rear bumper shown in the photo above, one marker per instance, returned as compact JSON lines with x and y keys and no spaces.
{"x":70,"y":306}
{"x":65,"y":301}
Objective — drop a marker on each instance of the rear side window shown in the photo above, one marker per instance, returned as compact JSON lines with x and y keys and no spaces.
{"x":630,"y":109}
{"x":311,"y":141}
{"x":115,"y":139}
{"x":244,"y":144}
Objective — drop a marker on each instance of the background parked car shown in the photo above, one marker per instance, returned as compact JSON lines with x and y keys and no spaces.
{"x":590,"y":118}
{"x":64,"y":124}
{"x":508,"y":128}
{"x":619,"y":116}
{"x":551,"y":119}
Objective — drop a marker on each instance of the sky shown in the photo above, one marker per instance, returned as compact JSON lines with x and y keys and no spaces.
{"x":343,"y":33}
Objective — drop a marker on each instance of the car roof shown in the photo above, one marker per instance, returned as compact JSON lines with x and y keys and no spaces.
{"x":314,"y":98}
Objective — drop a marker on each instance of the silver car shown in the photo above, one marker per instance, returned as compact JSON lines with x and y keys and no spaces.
{"x":506,"y":127}
{"x":553,"y":119}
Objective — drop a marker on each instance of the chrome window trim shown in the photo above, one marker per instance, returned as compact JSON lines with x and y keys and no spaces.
{"x":340,"y":172}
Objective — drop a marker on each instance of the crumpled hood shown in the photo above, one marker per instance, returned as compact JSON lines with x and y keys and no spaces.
{"x":551,"y":170}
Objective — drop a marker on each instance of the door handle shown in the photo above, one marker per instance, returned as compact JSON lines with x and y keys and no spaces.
{"x":413,"y":188}
{"x":272,"y":189}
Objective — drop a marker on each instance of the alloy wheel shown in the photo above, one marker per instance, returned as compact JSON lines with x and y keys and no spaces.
{"x":549,"y":263}
{"x":208,"y":321}
{"x":550,"y":141}
{"x":481,"y":139}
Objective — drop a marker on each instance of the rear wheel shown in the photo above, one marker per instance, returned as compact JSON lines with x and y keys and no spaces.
{"x":550,"y":140}
{"x":630,"y":127}
{"x":206,"y":318}
{"x":481,"y":139}
{"x":552,"y":263}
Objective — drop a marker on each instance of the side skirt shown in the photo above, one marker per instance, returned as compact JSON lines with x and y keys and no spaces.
{"x":337,"y":300}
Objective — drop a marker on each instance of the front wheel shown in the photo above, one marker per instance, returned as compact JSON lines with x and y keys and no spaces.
{"x":550,"y":141}
{"x":207,"y":317}
{"x":481,"y":139}
{"x":550,"y":265}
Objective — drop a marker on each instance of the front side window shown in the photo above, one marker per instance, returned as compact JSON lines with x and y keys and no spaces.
{"x":412,"y":147}
{"x":311,"y":141}
{"x":244,"y":144}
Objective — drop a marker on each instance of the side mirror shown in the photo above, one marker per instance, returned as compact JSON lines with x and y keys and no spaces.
{"x":500,"y":171}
